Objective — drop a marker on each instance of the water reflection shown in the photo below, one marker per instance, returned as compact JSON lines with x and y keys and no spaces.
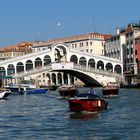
{"x":84,"y":115}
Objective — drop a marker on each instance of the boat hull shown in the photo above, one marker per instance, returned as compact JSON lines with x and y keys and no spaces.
{"x":67,"y":93}
{"x":4,"y":94}
{"x":34,"y":91}
{"x":91,"y":105}
{"x":110,"y":92}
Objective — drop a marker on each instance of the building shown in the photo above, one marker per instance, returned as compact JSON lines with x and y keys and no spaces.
{"x":15,"y":50}
{"x":88,"y":43}
{"x":122,"y":46}
{"x":137,"y":53}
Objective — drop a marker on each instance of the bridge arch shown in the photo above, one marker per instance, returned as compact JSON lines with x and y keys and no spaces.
{"x":2,"y":71}
{"x":20,"y":67}
{"x":29,"y":64}
{"x":10,"y":69}
{"x":47,"y":60}
{"x":60,"y":52}
{"x":54,"y":78}
{"x":38,"y":62}
{"x":82,"y":61}
{"x":91,"y":63}
{"x":109,"y":67}
{"x":59,"y":77}
{"x":118,"y":69}
{"x":100,"y":65}
{"x":74,"y":59}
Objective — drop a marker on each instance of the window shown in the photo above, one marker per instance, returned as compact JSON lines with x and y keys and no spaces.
{"x":91,"y":43}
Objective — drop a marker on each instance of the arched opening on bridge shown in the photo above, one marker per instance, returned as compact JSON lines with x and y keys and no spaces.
{"x":65,"y":77}
{"x":71,"y":79}
{"x":38,"y":62}
{"x":74,"y":59}
{"x":118,"y":69}
{"x":10,"y":69}
{"x":47,"y":60}
{"x":59,"y":77}
{"x":2,"y":71}
{"x":60,"y":54}
{"x":82,"y":61}
{"x":29,"y":64}
{"x":20,"y":67}
{"x":53,"y":78}
{"x":100,"y":65}
{"x":91,"y":63}
{"x":109,"y":67}
{"x":2,"y":76}
{"x":48,"y":79}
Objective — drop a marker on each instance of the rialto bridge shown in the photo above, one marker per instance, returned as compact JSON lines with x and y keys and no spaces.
{"x":54,"y":63}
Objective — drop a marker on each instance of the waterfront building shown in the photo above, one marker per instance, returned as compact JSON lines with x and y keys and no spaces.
{"x":15,"y":50}
{"x":137,"y":53}
{"x":89,"y":43}
{"x":122,"y":46}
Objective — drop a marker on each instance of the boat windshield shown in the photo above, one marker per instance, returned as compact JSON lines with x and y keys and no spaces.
{"x":88,"y":95}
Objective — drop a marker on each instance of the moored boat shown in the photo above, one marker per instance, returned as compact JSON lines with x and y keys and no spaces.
{"x":87,"y":102}
{"x":67,"y":91}
{"x":111,"y":89}
{"x":4,"y":93}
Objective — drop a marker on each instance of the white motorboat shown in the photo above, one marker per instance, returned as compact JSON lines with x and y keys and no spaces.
{"x":4,"y":93}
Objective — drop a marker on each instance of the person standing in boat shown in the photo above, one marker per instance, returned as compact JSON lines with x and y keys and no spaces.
{"x":91,"y":91}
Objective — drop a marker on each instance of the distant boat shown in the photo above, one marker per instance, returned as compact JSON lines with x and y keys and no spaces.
{"x":26,"y":89}
{"x":34,"y":91}
{"x":53,"y":87}
{"x":111,"y":89}
{"x":4,"y":93}
{"x":67,"y":91}
{"x":87,"y":102}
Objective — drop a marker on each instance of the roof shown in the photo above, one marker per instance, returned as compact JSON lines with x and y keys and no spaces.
{"x":74,"y":38}
{"x":16,"y":47}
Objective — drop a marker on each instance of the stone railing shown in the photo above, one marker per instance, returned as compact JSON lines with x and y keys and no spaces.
{"x":97,"y":71}
{"x":33,"y":71}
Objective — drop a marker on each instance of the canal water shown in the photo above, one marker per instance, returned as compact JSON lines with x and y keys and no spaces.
{"x":47,"y":117}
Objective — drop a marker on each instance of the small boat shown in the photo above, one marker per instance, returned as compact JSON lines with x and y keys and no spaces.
{"x":21,"y":87}
{"x":87,"y":102}
{"x":4,"y":93}
{"x":52,"y":87}
{"x":68,"y":91}
{"x":111,"y":89}
{"x":26,"y":89}
{"x":34,"y":91}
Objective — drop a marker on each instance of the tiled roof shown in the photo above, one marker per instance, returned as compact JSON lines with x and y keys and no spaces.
{"x":16,"y":47}
{"x":74,"y":38}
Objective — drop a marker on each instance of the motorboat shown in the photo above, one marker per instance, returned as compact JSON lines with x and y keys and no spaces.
{"x":87,"y":102}
{"x":33,"y":91}
{"x":4,"y":93}
{"x":67,"y":91}
{"x":111,"y":89}
{"x":53,"y":87}
{"x":26,"y":89}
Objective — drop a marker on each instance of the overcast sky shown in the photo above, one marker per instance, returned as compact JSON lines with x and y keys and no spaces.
{"x":30,"y":20}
